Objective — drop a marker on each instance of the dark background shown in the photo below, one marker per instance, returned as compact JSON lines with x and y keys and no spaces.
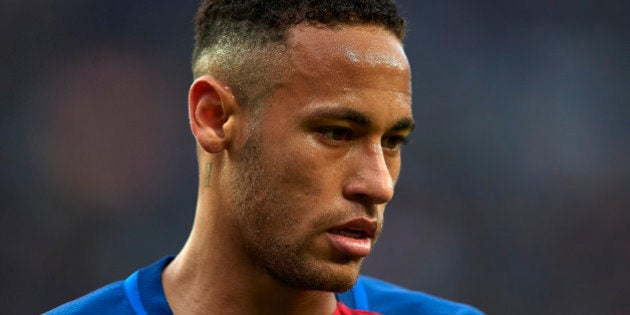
{"x":513,"y":195}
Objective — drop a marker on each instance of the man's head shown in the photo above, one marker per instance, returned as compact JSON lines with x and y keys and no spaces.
{"x":300,"y":190}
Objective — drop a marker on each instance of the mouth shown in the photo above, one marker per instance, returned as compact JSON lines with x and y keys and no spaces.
{"x":348,"y":232}
{"x":354,"y":238}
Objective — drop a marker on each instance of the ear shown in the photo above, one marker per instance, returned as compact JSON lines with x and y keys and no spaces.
{"x":210,"y":104}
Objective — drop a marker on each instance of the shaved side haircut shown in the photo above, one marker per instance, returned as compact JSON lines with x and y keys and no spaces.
{"x":243,"y":43}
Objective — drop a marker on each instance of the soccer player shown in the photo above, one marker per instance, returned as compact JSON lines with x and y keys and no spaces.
{"x":299,"y":109}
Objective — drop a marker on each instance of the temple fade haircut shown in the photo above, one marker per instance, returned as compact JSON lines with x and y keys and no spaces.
{"x":243,"y":42}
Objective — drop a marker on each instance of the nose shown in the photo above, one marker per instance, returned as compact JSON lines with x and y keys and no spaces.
{"x":371,"y":180}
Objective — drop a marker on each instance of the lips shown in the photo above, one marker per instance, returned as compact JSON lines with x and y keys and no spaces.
{"x":357,"y":228}
{"x":354,"y":238}
{"x":350,"y":233}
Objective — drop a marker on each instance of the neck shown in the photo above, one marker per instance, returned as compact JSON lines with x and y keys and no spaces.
{"x":211,"y":273}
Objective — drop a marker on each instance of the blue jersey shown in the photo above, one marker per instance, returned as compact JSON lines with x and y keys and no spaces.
{"x":142,"y":293}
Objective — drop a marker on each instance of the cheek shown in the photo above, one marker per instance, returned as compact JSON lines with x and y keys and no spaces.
{"x":393,"y":166}
{"x":394,"y":173}
{"x":302,"y":169}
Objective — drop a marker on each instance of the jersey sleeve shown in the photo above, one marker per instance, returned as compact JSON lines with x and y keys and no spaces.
{"x":110,"y":299}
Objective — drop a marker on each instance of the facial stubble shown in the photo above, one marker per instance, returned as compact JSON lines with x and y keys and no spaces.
{"x":267,"y":224}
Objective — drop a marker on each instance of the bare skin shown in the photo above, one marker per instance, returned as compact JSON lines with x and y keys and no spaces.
{"x":325,"y":156}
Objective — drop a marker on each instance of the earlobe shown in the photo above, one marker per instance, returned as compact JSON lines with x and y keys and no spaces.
{"x":209,"y":108}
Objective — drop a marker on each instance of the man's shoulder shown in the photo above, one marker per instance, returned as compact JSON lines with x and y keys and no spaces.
{"x":387,"y":298}
{"x":140,"y":293}
{"x":110,"y":299}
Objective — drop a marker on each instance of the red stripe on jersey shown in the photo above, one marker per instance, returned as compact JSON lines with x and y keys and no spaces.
{"x":342,"y":309}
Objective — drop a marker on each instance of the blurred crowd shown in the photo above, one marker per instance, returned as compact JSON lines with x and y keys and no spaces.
{"x":513,"y":194}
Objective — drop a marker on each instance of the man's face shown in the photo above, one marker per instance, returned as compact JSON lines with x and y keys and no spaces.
{"x":313,"y":177}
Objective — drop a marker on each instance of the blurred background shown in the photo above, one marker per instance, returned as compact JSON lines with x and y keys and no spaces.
{"x":514,"y":191}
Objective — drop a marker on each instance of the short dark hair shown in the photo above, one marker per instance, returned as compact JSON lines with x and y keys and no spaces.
{"x":237,"y":41}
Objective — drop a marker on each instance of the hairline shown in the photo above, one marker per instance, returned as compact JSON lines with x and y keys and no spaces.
{"x":271,"y":56}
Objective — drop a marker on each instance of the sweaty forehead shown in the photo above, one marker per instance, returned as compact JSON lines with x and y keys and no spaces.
{"x":314,"y":48}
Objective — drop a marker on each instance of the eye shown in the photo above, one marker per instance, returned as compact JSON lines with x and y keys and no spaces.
{"x":393,"y":143}
{"x":336,"y":133}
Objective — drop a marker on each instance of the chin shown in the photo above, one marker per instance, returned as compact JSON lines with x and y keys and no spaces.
{"x":330,"y":276}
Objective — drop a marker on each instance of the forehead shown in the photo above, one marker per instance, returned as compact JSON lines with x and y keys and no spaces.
{"x":346,"y":50}
{"x":363,"y":67}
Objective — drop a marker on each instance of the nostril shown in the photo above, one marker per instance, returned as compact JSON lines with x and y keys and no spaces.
{"x":369,"y":189}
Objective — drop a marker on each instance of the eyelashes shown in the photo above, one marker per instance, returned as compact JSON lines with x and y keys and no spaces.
{"x":335,"y":133}
{"x":338,"y":135}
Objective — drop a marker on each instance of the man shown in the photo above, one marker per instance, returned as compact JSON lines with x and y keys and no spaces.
{"x":299,"y":109}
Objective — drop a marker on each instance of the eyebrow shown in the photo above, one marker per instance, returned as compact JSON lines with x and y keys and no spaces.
{"x":404,"y":124}
{"x":347,"y":114}
{"x":360,"y":119}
